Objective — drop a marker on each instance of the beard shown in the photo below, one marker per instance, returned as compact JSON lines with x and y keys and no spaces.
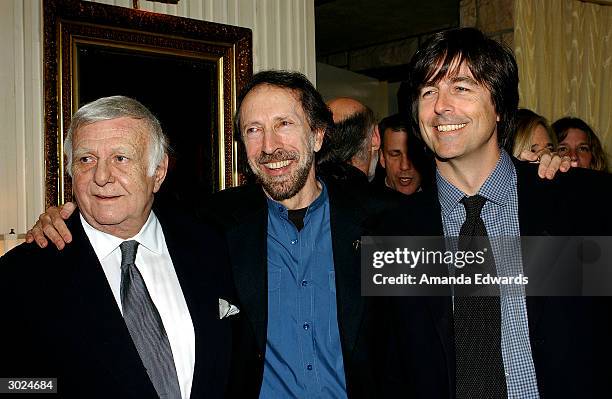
{"x":280,"y":188}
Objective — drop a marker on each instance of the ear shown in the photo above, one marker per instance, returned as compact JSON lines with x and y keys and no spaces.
{"x":160,"y":173}
{"x":319,"y":134}
{"x":381,"y":158}
{"x":375,"y":139}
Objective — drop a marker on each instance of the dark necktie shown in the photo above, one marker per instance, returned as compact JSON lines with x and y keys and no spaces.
{"x":146,"y":327}
{"x":477,"y":319}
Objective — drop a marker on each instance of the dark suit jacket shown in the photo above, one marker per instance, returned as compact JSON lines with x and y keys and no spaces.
{"x":61,"y":319}
{"x":569,"y":335}
{"x":243,"y":213}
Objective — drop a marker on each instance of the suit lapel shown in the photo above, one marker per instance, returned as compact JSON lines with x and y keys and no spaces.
{"x":532,"y":223}
{"x":347,"y":219}
{"x":428,"y":218}
{"x":98,"y":321}
{"x":248,"y":251}
{"x":190,"y":267}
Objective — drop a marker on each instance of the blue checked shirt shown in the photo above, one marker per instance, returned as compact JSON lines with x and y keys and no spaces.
{"x":500,"y":216}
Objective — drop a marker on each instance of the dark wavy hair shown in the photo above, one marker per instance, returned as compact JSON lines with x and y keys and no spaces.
{"x":491,"y":63}
{"x":318,"y":114}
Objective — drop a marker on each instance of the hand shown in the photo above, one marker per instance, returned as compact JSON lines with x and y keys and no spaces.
{"x":51,"y":224}
{"x":549,"y":162}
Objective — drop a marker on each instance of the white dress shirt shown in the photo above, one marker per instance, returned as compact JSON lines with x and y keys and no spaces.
{"x":156,"y":267}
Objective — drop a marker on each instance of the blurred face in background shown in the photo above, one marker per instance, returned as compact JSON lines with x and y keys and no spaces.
{"x":576,"y":146}
{"x":540,"y":140}
{"x":401,"y":175}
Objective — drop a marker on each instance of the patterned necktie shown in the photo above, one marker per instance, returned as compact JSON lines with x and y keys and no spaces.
{"x":477,"y":319}
{"x":146,"y":327}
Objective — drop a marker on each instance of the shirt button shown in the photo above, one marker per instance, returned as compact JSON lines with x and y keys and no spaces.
{"x":306,"y":326}
{"x":309,"y":367}
{"x":304,"y":283}
{"x":507,"y":374}
{"x":293,"y":242}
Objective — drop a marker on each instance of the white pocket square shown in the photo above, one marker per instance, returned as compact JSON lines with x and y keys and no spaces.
{"x":226,"y":309}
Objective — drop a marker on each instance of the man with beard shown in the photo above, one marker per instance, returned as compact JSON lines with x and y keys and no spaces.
{"x":294,"y":244}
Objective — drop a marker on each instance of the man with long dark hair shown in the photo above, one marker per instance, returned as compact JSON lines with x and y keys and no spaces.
{"x":464,"y":96}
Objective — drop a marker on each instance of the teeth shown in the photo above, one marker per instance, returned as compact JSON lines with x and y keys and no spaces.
{"x":449,"y":128}
{"x":278,"y":165}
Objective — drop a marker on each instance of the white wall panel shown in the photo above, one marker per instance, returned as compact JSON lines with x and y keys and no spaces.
{"x":283,"y":38}
{"x":21,"y":175}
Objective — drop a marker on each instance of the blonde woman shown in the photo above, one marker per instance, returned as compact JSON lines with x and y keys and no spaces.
{"x":532,"y":133}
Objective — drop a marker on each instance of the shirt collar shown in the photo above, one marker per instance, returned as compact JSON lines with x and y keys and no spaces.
{"x":150,"y":236}
{"x":280,"y":210}
{"x":495,"y":188}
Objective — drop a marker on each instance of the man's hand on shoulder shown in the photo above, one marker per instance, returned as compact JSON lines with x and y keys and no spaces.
{"x":51,"y":226}
{"x":549,"y":162}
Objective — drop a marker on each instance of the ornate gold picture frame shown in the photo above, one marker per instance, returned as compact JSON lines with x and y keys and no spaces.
{"x":188,"y":72}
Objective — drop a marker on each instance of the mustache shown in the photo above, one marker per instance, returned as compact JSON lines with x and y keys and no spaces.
{"x":277,"y":156}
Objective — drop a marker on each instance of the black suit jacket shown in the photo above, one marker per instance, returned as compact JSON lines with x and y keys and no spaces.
{"x":569,"y":336}
{"x":61,"y":319}
{"x":243,"y":213}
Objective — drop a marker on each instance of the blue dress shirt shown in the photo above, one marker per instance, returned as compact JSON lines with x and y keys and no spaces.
{"x":303,"y":352}
{"x":500,"y":216}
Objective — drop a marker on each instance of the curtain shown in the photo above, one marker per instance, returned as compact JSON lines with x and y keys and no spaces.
{"x":564,"y":52}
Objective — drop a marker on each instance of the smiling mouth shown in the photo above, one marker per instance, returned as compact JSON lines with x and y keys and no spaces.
{"x":450,"y":128}
{"x":405,"y":180}
{"x":277,"y":165}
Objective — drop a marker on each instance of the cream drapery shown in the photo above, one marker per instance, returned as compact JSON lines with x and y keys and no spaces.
{"x":564,"y":52}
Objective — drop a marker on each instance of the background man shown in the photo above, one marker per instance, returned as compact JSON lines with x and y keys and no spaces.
{"x":464,"y":92}
{"x":354,"y":139}
{"x":406,"y":165}
{"x":127,"y":309}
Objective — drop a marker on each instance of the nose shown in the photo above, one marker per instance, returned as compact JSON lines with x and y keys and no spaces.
{"x":102,"y":174}
{"x":573,"y":154}
{"x":405,"y":163}
{"x":270,"y":141}
{"x":443,"y":102}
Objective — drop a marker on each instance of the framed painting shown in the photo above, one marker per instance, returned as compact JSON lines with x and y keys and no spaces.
{"x":187,"y":72}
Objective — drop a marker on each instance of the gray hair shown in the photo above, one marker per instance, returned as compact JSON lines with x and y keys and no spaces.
{"x":350,"y":138}
{"x":107,"y":108}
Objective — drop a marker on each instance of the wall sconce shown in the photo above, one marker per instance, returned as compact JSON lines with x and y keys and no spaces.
{"x":10,"y":240}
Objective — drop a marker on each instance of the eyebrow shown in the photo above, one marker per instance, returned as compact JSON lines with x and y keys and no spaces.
{"x":463,"y":79}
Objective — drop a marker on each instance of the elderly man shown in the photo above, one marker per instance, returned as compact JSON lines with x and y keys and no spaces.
{"x":354,"y":140}
{"x":131,"y":307}
{"x":294,"y":241}
{"x":464,"y":93}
